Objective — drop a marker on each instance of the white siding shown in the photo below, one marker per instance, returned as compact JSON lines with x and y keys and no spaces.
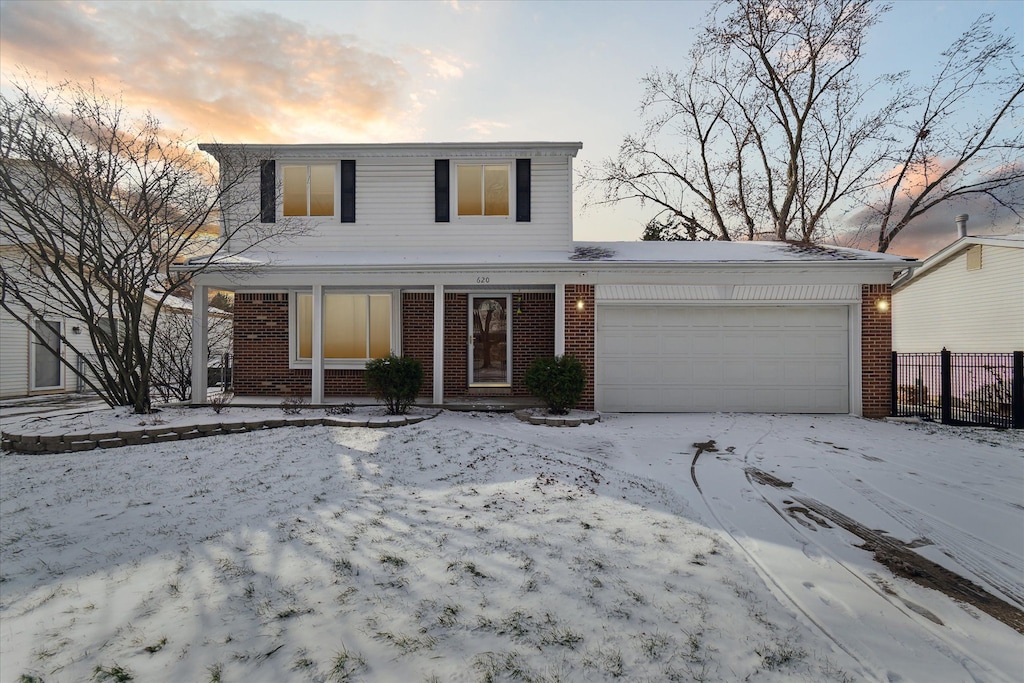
{"x":395,"y":209}
{"x":13,"y":357}
{"x":963,"y":310}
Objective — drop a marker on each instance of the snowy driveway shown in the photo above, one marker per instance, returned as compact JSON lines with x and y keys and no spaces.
{"x":476,"y":547}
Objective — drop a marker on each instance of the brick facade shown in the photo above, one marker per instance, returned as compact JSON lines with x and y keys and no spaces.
{"x":418,"y":335}
{"x":456,"y":344}
{"x":876,"y":350}
{"x":580,"y":331}
{"x":261,"y":353}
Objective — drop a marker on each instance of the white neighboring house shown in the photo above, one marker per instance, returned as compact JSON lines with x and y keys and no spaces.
{"x":967,"y":297}
{"x":27,"y":368}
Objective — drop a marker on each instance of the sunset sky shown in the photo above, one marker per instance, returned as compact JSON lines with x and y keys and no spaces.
{"x":249,"y":71}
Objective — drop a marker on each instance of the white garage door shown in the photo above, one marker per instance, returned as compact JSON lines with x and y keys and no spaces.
{"x":672,"y":358}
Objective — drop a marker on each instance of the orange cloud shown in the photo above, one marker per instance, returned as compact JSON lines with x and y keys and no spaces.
{"x":230,"y":76}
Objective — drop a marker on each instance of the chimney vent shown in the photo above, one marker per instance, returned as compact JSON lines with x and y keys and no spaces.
{"x":961,"y":225}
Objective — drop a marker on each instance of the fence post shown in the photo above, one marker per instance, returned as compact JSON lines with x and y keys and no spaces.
{"x":947,"y":387}
{"x":894,"y":405}
{"x":1018,"y":390}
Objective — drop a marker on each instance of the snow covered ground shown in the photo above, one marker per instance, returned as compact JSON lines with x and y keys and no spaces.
{"x":474,"y":547}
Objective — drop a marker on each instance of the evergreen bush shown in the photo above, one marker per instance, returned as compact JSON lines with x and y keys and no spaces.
{"x":395,"y":380}
{"x":558,"y":381}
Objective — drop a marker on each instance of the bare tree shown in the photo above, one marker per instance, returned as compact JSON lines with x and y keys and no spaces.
{"x":955,"y":150}
{"x":96,"y":207}
{"x":172,"y":351}
{"x":763,"y":133}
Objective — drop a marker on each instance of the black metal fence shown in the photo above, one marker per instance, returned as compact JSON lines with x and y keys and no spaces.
{"x":960,"y":388}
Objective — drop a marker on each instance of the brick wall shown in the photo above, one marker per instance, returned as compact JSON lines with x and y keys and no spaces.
{"x":876,"y":350}
{"x":261,"y":344}
{"x":579,"y":334}
{"x":418,"y":335}
{"x":261,"y":353}
{"x":261,"y":348}
{"x":533,"y":334}
{"x":456,"y":339}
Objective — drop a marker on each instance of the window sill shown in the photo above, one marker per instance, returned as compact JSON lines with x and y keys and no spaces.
{"x":331,"y":364}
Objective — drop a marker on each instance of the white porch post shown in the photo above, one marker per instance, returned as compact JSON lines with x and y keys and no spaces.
{"x":438,"y":344}
{"x":560,"y":319}
{"x":318,"y":345}
{"x":200,"y":306}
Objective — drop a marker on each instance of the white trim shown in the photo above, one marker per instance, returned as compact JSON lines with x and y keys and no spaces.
{"x":317,"y":346}
{"x":33,"y":344}
{"x":745,"y":293}
{"x":508,"y":340}
{"x":200,"y":337}
{"x":855,"y":362}
{"x":560,"y":319}
{"x":438,"y":344}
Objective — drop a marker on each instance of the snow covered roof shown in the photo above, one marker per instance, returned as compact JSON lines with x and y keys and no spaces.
{"x":594,"y":254}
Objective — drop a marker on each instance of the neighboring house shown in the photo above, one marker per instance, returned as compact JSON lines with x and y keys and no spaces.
{"x":462,"y":255}
{"x":968,"y":297}
{"x":28,"y":368}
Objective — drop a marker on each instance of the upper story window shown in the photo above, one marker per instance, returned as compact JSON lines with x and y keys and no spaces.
{"x":308,"y":190}
{"x":483,"y":190}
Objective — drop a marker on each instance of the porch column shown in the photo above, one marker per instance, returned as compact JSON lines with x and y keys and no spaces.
{"x":560,"y":319}
{"x":438,"y":344}
{"x":318,"y":345}
{"x":200,"y":306}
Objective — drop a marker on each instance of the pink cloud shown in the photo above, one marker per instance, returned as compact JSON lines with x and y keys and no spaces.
{"x":229,"y":76}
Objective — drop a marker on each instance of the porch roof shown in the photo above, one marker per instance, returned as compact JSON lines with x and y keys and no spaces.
{"x":591,"y":254}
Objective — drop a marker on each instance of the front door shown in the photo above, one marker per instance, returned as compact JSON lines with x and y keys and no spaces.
{"x":490,"y":349}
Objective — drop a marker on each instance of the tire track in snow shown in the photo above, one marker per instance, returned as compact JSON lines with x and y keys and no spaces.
{"x":766,"y":574}
{"x":957,"y":542}
{"x":977,"y":671}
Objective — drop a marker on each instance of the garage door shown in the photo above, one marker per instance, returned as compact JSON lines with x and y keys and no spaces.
{"x":671,"y":358}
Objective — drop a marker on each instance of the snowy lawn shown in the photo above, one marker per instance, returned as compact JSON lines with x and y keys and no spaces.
{"x":474,"y":547}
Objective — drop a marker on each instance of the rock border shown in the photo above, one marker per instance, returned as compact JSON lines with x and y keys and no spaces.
{"x":71,"y":443}
{"x":572,"y":420}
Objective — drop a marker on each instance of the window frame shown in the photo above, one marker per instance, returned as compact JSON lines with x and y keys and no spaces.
{"x":296,"y":362}
{"x":335,"y":166}
{"x":453,"y":190}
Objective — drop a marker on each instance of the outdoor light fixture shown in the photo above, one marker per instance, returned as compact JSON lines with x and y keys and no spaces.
{"x":579,"y":304}
{"x":882,"y":305}
{"x":76,"y":329}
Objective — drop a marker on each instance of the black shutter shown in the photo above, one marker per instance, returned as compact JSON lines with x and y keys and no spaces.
{"x":441,"y":191}
{"x":348,"y":191}
{"x":523,"y":190}
{"x":268,"y":192}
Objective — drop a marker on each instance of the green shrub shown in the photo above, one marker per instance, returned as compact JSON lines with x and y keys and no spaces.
{"x":558,"y":381}
{"x":395,"y":380}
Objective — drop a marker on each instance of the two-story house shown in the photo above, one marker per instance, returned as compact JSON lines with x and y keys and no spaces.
{"x":462,"y":255}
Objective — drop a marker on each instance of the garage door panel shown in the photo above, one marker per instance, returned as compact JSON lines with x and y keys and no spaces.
{"x":719,"y":358}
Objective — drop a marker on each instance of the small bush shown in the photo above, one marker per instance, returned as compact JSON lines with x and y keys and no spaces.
{"x":558,"y":381}
{"x":343,"y":409}
{"x":293,"y":406}
{"x":219,"y":403}
{"x":396,"y":381}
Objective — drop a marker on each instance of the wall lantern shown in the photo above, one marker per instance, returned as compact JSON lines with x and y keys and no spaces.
{"x":76,"y":329}
{"x":579,"y":304}
{"x":882,"y":305}
{"x":519,"y":305}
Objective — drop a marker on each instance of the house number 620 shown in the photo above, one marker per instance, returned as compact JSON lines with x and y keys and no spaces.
{"x":483,"y":280}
